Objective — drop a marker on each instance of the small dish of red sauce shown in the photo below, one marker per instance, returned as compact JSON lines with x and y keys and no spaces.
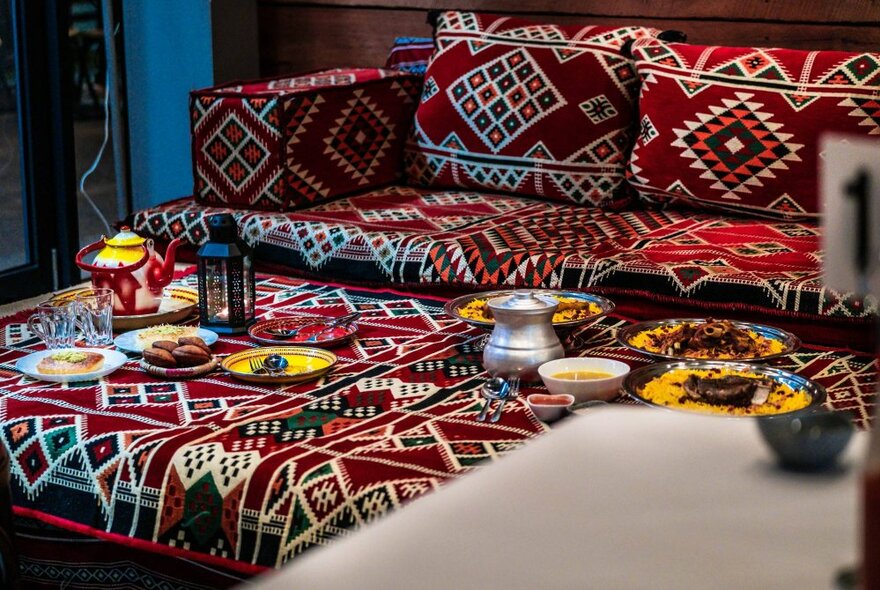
{"x":549,"y":408}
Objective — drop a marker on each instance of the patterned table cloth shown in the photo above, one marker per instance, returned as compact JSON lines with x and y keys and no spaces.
{"x":246,"y":476}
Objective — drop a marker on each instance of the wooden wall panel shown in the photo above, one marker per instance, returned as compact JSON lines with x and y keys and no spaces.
{"x":815,"y":11}
{"x":298,"y":36}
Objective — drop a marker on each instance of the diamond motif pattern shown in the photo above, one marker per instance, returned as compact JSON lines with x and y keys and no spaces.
{"x":867,"y":110}
{"x":749,"y":121}
{"x":503,"y":98}
{"x":857,"y":70}
{"x":237,"y":154}
{"x":736,"y":145}
{"x":758,"y":64}
{"x":598,"y":109}
{"x":525,"y":107}
{"x":647,"y":131}
{"x":430,"y":90}
{"x":264,"y":144}
{"x":361,"y":137}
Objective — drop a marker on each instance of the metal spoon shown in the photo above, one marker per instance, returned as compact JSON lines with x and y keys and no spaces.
{"x":288,"y":332}
{"x":275,"y":364}
{"x":339,"y":322}
{"x":291,"y":332}
{"x":494,"y":388}
{"x":511,"y":393}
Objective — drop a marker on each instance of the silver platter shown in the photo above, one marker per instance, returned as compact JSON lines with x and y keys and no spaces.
{"x":451,"y":307}
{"x":636,"y":380}
{"x":790,"y":342}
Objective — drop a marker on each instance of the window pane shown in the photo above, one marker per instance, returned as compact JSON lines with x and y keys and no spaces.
{"x":89,"y":76}
{"x":12,"y":221}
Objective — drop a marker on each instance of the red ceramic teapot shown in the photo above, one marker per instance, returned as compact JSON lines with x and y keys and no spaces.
{"x":128,"y":264}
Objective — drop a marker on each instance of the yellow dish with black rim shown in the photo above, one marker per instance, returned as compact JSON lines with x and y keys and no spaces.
{"x":304,"y":364}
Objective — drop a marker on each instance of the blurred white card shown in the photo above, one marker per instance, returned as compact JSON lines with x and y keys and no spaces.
{"x":850,"y":173}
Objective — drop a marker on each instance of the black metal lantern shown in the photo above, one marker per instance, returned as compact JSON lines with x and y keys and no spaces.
{"x":226,"y":279}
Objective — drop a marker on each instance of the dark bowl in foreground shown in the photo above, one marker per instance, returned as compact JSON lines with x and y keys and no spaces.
{"x":807,"y":440}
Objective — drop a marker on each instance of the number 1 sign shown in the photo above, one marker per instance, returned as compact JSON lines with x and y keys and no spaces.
{"x":851,"y":241}
{"x":851,"y":213}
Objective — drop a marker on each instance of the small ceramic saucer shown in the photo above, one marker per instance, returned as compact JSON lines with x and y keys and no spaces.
{"x":306,"y":327}
{"x":129,"y":342}
{"x":549,"y":408}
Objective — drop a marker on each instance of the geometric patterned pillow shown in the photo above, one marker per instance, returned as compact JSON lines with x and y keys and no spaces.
{"x":410,"y":54}
{"x":279,"y":143}
{"x":535,"y":109}
{"x":738,"y":128}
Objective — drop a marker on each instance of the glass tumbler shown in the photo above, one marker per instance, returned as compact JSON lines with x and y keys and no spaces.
{"x":94,"y":316}
{"x":55,"y":324}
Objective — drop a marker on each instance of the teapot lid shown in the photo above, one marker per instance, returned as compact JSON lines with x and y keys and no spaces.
{"x":525,"y":301}
{"x":124,"y":238}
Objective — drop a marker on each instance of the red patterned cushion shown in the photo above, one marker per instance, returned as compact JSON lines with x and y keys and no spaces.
{"x":283,"y":142}
{"x":738,"y":127}
{"x":410,"y":54}
{"x":535,"y":109}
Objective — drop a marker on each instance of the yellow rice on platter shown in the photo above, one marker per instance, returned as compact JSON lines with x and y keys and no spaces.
{"x":668,"y":390}
{"x":642,"y":340}
{"x":473,"y":310}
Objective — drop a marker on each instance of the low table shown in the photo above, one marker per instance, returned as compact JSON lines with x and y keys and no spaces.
{"x":634,"y":499}
{"x":243,"y":477}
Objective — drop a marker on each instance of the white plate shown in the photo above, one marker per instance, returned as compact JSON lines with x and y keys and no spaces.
{"x":129,"y":343}
{"x":113,"y":359}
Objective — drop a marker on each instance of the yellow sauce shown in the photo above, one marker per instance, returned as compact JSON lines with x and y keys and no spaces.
{"x":582,"y":375}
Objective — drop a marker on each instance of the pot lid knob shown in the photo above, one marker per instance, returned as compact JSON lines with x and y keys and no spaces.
{"x":524,"y":300}
{"x":125,"y":238}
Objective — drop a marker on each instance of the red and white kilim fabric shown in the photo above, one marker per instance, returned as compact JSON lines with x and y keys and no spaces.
{"x":472,"y":239}
{"x":535,"y":109}
{"x":738,"y":128}
{"x":284,"y":142}
{"x":248,"y":476}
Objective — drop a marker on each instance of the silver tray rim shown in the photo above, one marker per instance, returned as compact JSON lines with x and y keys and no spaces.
{"x":639,"y":377}
{"x":790,"y":342}
{"x":453,"y":304}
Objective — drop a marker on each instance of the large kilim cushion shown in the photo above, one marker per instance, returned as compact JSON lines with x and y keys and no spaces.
{"x":418,"y":236}
{"x":285,"y":142}
{"x":738,"y":128}
{"x":535,"y":109}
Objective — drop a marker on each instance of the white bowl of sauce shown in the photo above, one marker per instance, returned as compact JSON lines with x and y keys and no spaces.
{"x":549,"y":408}
{"x":586,"y":378}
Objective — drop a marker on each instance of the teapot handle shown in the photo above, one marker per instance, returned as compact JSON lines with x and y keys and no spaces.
{"x":100,"y":244}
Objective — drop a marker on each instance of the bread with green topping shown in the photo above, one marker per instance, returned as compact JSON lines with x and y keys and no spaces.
{"x":70,"y":362}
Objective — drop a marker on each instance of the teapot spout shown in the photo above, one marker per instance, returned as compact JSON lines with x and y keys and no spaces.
{"x":163,"y":273}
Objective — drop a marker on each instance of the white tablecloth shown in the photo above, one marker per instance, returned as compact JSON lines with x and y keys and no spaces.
{"x":621,"y":498}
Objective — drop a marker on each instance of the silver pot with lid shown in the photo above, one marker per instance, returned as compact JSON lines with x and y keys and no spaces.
{"x":523,"y":337}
